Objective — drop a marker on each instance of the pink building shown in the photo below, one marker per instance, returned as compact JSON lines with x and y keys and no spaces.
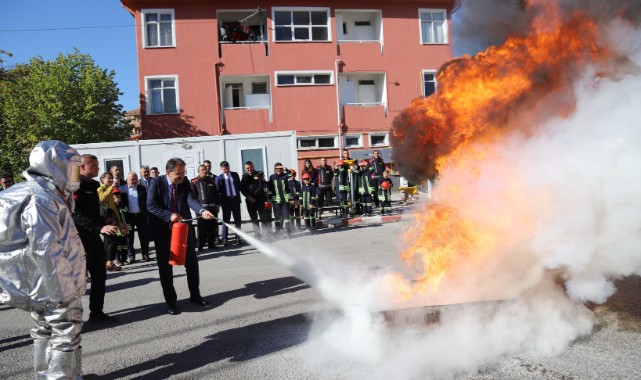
{"x":336,"y":72}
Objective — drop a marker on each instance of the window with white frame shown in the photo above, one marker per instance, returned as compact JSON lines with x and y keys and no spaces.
{"x":158,"y":29}
{"x":242,"y":26}
{"x":245,"y":91}
{"x":309,"y":78}
{"x":256,"y":155}
{"x":353,"y":141}
{"x":317,"y":142}
{"x":433,"y":26}
{"x":301,"y":24}
{"x":358,"y":25}
{"x":378,"y":139}
{"x":162,"y":95}
{"x":429,"y":83}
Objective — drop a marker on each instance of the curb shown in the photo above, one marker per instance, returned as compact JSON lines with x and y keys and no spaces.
{"x":345,"y":222}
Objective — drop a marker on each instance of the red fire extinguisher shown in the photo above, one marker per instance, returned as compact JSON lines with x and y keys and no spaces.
{"x":178,"y":247}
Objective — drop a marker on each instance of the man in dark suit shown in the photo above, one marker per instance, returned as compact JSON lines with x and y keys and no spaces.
{"x":145,"y":176}
{"x":169,"y":199}
{"x":228,"y":185}
{"x":137,"y":215}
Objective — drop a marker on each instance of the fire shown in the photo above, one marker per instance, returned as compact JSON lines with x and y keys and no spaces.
{"x":441,"y":237}
{"x":477,"y":95}
{"x":475,"y":101}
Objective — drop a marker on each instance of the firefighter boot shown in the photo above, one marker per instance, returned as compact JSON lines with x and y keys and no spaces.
{"x":41,"y":357}
{"x":63,"y":365}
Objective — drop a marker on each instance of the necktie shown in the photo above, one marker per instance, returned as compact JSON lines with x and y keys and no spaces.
{"x":174,"y":199}
{"x":232,"y":193}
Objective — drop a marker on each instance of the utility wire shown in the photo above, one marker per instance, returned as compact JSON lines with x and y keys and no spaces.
{"x":109,"y":26}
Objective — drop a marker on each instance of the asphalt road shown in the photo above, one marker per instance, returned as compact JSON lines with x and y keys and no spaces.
{"x":264,"y":323}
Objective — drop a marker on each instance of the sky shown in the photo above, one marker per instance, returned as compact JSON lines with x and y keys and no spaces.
{"x":110,"y":40}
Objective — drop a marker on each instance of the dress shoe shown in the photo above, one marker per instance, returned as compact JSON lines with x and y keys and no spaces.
{"x":131,"y":260}
{"x":100,"y":317}
{"x":199,"y":301}
{"x":145,"y":258}
{"x":225,"y":243}
{"x":238,"y":241}
{"x":172,"y":310}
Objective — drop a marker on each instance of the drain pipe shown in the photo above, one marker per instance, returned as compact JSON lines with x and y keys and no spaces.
{"x":338,"y":111}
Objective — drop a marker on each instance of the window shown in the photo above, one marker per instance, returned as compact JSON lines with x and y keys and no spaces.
{"x":359,"y":25}
{"x":162,"y":95}
{"x":259,"y":88}
{"x":301,"y":24}
{"x":381,"y":139}
{"x":353,"y":141}
{"x":433,"y":26}
{"x":245,"y":91}
{"x":256,"y":155}
{"x":242,"y":26}
{"x":158,"y":28}
{"x":234,"y":92}
{"x":304,"y":78}
{"x":429,"y":83}
{"x":122,"y":162}
{"x":317,"y":142}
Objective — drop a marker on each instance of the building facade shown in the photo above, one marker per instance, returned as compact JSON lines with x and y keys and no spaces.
{"x":336,"y":72}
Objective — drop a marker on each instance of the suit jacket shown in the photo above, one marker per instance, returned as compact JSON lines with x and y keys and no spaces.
{"x":145,"y":182}
{"x":222,"y":189}
{"x":142,"y":196}
{"x":158,"y":203}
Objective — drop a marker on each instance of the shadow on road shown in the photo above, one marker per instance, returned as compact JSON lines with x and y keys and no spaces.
{"x":260,"y":290}
{"x":238,"y":344}
{"x":15,"y":342}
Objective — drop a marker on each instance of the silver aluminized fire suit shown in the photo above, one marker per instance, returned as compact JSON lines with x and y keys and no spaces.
{"x":42,"y":261}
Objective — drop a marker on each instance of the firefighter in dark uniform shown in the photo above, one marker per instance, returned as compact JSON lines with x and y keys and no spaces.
{"x":90,"y":225}
{"x":342,"y":173}
{"x":378,"y":167}
{"x":204,"y":190}
{"x":280,"y":196}
{"x":325,"y":176}
{"x":253,"y":186}
{"x":365,"y":187}
{"x":385,"y":193}
{"x":294,"y":204}
{"x":308,"y":201}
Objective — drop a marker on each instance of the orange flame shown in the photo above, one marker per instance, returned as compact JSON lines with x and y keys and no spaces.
{"x":475,"y":99}
{"x":477,"y":95}
{"x":440,"y":238}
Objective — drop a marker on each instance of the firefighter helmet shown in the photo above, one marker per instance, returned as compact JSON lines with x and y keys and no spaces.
{"x":363,"y":162}
{"x":292,"y":173}
{"x":306,"y":176}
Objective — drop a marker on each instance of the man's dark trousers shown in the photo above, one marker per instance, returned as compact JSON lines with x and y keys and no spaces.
{"x":163,"y":241}
{"x":96,"y":260}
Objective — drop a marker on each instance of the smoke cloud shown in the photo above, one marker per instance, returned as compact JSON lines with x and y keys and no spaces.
{"x":558,"y":190}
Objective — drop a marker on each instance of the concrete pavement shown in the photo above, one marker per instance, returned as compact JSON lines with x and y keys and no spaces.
{"x":264,"y":323}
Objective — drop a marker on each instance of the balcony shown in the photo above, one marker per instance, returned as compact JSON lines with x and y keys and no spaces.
{"x":371,"y":117}
{"x":242,"y":27}
{"x":362,"y":90}
{"x":359,"y":32}
{"x":248,"y":120}
{"x":245,"y":93}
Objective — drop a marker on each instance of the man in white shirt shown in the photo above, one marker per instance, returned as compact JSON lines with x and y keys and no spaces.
{"x":137,"y":216}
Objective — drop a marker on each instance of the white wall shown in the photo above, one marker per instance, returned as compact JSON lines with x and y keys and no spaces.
{"x":279,"y":146}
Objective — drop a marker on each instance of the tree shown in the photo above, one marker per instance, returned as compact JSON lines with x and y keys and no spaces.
{"x":69,"y":99}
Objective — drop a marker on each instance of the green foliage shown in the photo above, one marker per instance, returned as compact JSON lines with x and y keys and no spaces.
{"x":69,"y":99}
